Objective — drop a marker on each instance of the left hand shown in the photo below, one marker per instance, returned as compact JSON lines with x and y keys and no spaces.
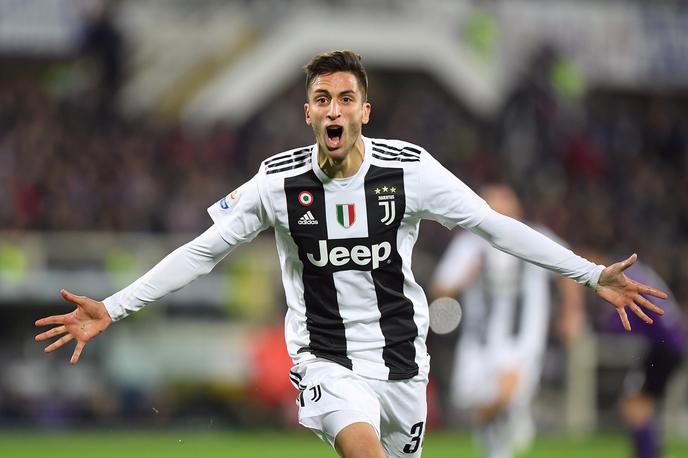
{"x":620,"y":291}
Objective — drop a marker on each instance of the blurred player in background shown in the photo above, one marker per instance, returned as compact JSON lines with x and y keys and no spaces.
{"x":645,"y":385}
{"x":506,"y":309}
{"x":346,"y":212}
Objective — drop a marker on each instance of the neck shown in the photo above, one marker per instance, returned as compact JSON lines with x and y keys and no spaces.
{"x":342,"y":167}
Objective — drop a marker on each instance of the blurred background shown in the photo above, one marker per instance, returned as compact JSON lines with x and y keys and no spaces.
{"x":122,"y":121}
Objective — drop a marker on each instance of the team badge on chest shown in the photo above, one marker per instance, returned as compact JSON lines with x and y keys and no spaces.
{"x":385,"y":197}
{"x":305,"y":198}
{"x":346,"y":214}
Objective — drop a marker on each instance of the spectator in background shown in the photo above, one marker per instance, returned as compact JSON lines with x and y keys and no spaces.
{"x":498,"y":358}
{"x":645,"y":385}
{"x":103,"y":42}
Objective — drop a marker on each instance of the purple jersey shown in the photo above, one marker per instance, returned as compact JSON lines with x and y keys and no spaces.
{"x":669,"y":329}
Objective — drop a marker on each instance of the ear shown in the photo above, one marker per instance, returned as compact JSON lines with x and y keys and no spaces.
{"x":366,"y":113}
{"x":306,"y":111}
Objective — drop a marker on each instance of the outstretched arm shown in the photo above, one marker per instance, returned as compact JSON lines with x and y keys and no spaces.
{"x":175,"y":271}
{"x":610,"y":283}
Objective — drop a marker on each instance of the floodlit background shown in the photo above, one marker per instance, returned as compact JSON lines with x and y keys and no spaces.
{"x":121,"y":122}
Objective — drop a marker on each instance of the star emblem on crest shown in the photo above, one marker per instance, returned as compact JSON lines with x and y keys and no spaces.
{"x":385,"y":189}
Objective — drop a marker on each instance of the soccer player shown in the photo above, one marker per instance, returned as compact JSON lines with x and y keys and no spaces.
{"x":498,"y":358}
{"x":645,"y":384}
{"x":346,"y":212}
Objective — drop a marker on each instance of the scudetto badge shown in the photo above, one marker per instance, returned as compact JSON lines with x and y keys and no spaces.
{"x":346,"y":214}
{"x":305,"y":198}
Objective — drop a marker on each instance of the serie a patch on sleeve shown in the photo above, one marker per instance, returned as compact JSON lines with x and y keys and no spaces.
{"x":229,"y":201}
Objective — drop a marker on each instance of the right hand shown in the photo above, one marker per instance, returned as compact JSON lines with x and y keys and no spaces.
{"x":89,"y":319}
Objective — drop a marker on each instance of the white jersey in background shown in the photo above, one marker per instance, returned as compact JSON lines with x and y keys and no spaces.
{"x":505,"y":317}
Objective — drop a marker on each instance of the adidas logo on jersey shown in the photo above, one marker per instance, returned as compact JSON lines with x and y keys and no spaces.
{"x":308,"y":218}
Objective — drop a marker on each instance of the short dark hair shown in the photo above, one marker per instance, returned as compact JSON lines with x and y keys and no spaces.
{"x":337,"y":61}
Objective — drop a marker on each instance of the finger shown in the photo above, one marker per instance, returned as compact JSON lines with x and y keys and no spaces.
{"x":624,"y":318}
{"x":629,"y":262}
{"x":70,"y":297}
{"x":51,"y":333}
{"x":639,"y":312}
{"x":649,"y":305}
{"x":80,"y":344}
{"x":55,"y":319}
{"x":651,"y":291}
{"x":58,"y":343}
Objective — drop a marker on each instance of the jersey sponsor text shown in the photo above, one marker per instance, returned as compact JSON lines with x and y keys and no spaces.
{"x":359,"y":254}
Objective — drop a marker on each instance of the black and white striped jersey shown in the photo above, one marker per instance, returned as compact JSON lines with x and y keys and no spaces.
{"x":345,"y":250}
{"x":505,"y":306}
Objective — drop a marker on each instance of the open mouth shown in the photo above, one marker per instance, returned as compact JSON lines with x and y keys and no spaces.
{"x":334,"y":136}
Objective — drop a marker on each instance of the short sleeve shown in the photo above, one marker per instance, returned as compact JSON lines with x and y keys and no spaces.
{"x":241,"y":215}
{"x":446,"y":199}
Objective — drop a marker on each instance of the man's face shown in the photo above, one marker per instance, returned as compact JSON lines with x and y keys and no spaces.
{"x":336,"y":110}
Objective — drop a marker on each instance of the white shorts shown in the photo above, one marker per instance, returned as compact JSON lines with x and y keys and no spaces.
{"x":476,"y":375}
{"x":332,"y":397}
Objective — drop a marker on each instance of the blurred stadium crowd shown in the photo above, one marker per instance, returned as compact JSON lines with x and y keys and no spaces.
{"x":606,"y":167}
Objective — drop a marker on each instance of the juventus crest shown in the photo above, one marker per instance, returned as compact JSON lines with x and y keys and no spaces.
{"x":385,"y":197}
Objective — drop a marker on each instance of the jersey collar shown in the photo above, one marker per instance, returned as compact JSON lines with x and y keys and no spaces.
{"x":365,"y":165}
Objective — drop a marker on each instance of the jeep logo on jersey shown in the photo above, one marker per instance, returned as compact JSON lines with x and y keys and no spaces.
{"x":360,"y":255}
{"x":346,"y":214}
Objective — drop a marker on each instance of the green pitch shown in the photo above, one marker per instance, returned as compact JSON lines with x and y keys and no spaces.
{"x":273,"y":444}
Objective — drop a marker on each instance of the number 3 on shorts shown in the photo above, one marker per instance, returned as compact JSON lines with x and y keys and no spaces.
{"x":416,"y":438}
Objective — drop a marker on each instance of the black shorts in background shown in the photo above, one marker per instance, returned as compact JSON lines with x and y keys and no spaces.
{"x":660,"y":363}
